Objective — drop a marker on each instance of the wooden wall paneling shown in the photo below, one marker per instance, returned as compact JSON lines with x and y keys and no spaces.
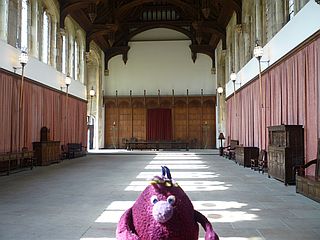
{"x":152,"y":102}
{"x":139,"y":119}
{"x":187,"y":124}
{"x":209,"y":117}
{"x":180,"y":120}
{"x":125,"y":122}
{"x":110,"y":130}
{"x":194,"y":123}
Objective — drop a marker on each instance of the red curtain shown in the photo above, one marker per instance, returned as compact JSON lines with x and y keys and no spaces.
{"x":159,"y":124}
{"x":65,"y":117}
{"x":290,"y":96}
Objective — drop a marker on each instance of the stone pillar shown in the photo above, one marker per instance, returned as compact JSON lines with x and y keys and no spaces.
{"x":258,"y":25}
{"x":4,"y":5}
{"x":13,"y":23}
{"x":237,"y":47}
{"x":280,"y":15}
{"x":59,"y":49}
{"x":70,"y":51}
{"x":220,"y":66}
{"x":34,"y":43}
{"x":269,"y":22}
{"x":53,"y":42}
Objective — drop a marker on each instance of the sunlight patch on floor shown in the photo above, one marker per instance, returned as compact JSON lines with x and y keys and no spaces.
{"x":214,"y":205}
{"x":115,"y":210}
{"x":178,"y":166}
{"x":182,"y":157}
{"x":172,"y":162}
{"x":185,"y":185}
{"x":179,"y":175}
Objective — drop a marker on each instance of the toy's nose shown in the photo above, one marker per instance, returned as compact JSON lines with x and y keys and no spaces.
{"x":162,"y":211}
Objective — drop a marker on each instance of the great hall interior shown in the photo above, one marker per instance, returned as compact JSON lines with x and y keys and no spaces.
{"x":116,"y":85}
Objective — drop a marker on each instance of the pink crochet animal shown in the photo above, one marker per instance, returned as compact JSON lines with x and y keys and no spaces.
{"x":163,"y":211}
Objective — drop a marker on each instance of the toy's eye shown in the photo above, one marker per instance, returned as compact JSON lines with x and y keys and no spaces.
{"x":154,"y":199}
{"x":171,"y":200}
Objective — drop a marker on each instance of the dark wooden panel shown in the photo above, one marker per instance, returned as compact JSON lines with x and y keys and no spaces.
{"x":286,"y":150}
{"x":139,"y":123}
{"x":46,"y":153}
{"x":245,"y":154}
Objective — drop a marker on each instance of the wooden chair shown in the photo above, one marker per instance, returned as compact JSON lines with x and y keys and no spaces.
{"x":263,"y":163}
{"x":309,"y":185}
{"x":259,"y":163}
{"x":229,"y":151}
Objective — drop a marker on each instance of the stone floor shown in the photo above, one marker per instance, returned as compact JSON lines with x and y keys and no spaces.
{"x":82,"y":199}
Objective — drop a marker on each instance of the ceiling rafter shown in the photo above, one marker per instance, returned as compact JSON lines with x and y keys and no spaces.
{"x":117,"y":21}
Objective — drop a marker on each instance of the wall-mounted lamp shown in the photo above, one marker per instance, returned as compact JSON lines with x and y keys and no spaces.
{"x":23,"y":59}
{"x":258,"y":53}
{"x":91,"y":93}
{"x":220,"y":90}
{"x":233,"y":78}
{"x":67,"y":81}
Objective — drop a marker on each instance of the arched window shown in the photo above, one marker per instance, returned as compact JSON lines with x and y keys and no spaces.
{"x":4,"y":5}
{"x":64,"y":55}
{"x":76,"y":59}
{"x":24,"y":25}
{"x":291,"y":9}
{"x":46,"y":38}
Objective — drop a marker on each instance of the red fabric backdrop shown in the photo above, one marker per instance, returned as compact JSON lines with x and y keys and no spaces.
{"x":159,"y":124}
{"x":290,"y":96}
{"x":65,"y":117}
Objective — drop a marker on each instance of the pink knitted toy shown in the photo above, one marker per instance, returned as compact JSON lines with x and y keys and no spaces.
{"x":163,"y":211}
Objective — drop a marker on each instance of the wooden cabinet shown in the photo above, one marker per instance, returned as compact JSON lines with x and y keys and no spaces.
{"x":245,"y":154}
{"x":47,"y":152}
{"x":285,"y":150}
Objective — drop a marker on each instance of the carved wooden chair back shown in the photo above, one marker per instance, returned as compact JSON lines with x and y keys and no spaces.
{"x":262,"y":161}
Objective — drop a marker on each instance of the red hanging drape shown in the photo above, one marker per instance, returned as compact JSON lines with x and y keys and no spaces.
{"x":65,"y":117}
{"x":290,"y":96}
{"x":159,"y":124}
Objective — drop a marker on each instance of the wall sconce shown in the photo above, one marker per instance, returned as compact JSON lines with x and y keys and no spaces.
{"x":233,"y":78}
{"x":220,"y":91}
{"x":67,"y":82}
{"x":23,"y":59}
{"x":258,"y":53}
{"x":91,"y":93}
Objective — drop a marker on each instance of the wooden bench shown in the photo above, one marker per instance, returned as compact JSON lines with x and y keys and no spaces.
{"x":229,"y":151}
{"x":306,"y":185}
{"x":16,"y":161}
{"x":75,"y":150}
